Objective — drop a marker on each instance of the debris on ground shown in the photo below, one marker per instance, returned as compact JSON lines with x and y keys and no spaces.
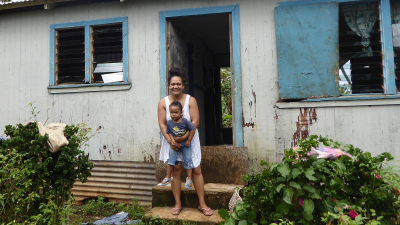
{"x":117,"y":219}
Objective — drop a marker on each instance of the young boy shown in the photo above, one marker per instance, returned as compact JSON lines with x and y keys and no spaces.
{"x":177,"y":127}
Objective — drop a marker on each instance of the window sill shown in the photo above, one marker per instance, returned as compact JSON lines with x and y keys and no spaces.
{"x":343,"y":101}
{"x":89,"y":88}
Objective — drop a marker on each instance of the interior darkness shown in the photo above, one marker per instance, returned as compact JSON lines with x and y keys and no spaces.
{"x":213,"y":31}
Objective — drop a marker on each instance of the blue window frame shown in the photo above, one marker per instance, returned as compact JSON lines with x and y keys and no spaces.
{"x":306,"y":73}
{"x":87,"y":32}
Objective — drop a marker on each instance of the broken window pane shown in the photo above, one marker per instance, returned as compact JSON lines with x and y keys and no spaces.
{"x":70,"y":56}
{"x":360,"y":51}
{"x":107,"y":53}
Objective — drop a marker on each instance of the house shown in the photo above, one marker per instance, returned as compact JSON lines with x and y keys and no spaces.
{"x":104,"y":63}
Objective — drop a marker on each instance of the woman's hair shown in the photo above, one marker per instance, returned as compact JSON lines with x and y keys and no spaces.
{"x":176,"y":103}
{"x":176,"y":72}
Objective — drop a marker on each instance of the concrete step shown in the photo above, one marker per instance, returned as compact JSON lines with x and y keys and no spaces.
{"x":191,"y":215}
{"x":217,"y":196}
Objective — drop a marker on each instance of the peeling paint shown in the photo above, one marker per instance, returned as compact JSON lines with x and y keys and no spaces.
{"x":255,"y":102}
{"x":244,"y":124}
{"x":304,"y":120}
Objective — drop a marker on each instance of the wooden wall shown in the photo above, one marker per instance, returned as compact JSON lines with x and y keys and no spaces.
{"x":128,"y":119}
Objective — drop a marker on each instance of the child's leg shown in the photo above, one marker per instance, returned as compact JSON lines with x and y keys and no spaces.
{"x":188,"y":164}
{"x":172,"y":158}
{"x":167,"y":179}
{"x":171,"y":163}
{"x":187,"y":160}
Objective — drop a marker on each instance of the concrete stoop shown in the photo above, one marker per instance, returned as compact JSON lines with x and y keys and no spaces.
{"x":187,"y":215}
{"x":217,"y":196}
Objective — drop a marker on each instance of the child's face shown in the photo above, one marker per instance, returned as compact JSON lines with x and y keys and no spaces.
{"x":175,"y":112}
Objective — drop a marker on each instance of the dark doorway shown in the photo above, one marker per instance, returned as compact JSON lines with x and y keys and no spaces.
{"x":201,"y":46}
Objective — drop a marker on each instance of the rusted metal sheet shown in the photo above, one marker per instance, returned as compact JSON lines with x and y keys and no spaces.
{"x":118,"y":181}
{"x":307,"y":44}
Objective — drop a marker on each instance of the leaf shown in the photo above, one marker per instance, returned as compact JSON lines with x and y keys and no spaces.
{"x":295,"y":185}
{"x":223,"y":213}
{"x":251,"y":214}
{"x":288,"y":195}
{"x":309,"y":174}
{"x":273,"y":166}
{"x":278,"y":189}
{"x":309,"y":188}
{"x":263,"y":221}
{"x":241,"y":214}
{"x":296,"y":172}
{"x":315,"y":195}
{"x":282,"y":207}
{"x":308,"y":206}
{"x":242,"y":222}
{"x":230,"y":221}
{"x":358,"y":219}
{"x":341,"y":166}
{"x":284,"y":170}
{"x":335,"y":183}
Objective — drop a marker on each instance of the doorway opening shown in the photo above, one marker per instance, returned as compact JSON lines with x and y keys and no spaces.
{"x":201,"y":46}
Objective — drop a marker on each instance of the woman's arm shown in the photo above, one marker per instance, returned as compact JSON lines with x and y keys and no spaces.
{"x":194,"y":112}
{"x":162,"y":122}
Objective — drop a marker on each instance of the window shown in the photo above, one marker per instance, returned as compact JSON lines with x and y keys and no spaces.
{"x":89,"y":53}
{"x":331,"y":49}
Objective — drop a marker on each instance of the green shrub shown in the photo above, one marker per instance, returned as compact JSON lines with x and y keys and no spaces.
{"x":303,"y":189}
{"x":35,"y":183}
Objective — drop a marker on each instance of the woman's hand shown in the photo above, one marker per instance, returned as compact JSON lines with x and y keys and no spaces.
{"x":174,"y":145}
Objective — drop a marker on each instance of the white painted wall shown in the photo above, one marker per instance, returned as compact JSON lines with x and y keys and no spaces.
{"x":128,"y":119}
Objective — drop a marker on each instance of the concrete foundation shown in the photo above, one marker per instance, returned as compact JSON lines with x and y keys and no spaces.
{"x":224,"y":165}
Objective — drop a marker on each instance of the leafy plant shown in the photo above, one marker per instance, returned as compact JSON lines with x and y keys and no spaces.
{"x":226,"y":96}
{"x":350,"y":215}
{"x":157,"y":221}
{"x":35,"y":183}
{"x":241,"y":214}
{"x":303,"y":188}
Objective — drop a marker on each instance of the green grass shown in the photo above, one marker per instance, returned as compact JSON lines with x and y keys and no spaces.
{"x":96,"y":209}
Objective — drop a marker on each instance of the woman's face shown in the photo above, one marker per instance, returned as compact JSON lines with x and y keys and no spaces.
{"x":176,"y":85}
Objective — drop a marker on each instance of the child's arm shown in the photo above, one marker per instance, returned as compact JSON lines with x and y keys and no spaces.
{"x":172,"y":139}
{"x":191,"y":134}
{"x":182,"y":138}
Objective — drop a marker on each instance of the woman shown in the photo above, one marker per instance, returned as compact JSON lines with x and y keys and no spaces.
{"x":191,"y":113}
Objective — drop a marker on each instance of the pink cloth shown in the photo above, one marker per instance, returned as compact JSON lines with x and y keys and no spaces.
{"x":326,"y":153}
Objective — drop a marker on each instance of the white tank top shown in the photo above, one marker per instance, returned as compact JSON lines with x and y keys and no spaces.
{"x":195,"y":143}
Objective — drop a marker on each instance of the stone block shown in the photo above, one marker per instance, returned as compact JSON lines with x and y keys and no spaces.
{"x":217,"y":196}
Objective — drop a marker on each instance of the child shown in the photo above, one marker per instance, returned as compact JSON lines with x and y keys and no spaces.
{"x":177,"y":127}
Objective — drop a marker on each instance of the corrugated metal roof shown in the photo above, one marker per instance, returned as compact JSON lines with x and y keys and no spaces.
{"x":118,"y":181}
{"x":13,"y":1}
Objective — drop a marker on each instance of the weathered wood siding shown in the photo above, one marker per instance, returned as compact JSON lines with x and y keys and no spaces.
{"x":128,"y":119}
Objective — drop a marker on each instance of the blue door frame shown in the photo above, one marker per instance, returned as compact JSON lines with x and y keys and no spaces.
{"x":237,"y":81}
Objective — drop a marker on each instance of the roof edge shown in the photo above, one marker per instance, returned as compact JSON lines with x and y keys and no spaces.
{"x":30,"y":3}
